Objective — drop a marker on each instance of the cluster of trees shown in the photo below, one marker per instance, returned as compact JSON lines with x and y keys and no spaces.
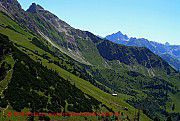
{"x":4,"y":67}
{"x":156,"y":89}
{"x":154,"y":104}
{"x":4,"y":51}
{"x":35,"y":87}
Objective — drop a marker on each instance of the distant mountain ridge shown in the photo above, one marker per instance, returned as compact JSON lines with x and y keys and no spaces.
{"x":118,"y":37}
{"x":170,"y":53}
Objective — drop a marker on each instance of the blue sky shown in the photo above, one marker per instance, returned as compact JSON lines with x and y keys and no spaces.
{"x":156,"y":20}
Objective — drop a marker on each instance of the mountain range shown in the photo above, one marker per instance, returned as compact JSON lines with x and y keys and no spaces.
{"x":48,"y":66}
{"x":170,"y":53}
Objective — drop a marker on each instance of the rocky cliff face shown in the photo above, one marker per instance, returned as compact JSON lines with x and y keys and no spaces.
{"x":35,"y":8}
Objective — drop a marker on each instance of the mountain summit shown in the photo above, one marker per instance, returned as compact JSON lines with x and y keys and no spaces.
{"x":34,"y":8}
{"x":118,"y":37}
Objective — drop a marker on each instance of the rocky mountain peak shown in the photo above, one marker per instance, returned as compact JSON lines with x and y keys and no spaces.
{"x":119,"y":32}
{"x":167,"y":44}
{"x":118,"y":37}
{"x":34,"y":8}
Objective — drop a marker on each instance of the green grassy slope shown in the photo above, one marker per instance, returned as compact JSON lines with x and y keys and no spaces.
{"x":31,"y":50}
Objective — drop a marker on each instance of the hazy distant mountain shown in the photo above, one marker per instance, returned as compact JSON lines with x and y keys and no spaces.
{"x":118,"y":38}
{"x":170,"y":53}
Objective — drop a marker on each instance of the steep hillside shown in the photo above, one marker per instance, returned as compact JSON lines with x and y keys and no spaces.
{"x":59,"y":33}
{"x":42,"y":56}
{"x":37,"y":88}
{"x":132,"y":56}
{"x":52,"y":49}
